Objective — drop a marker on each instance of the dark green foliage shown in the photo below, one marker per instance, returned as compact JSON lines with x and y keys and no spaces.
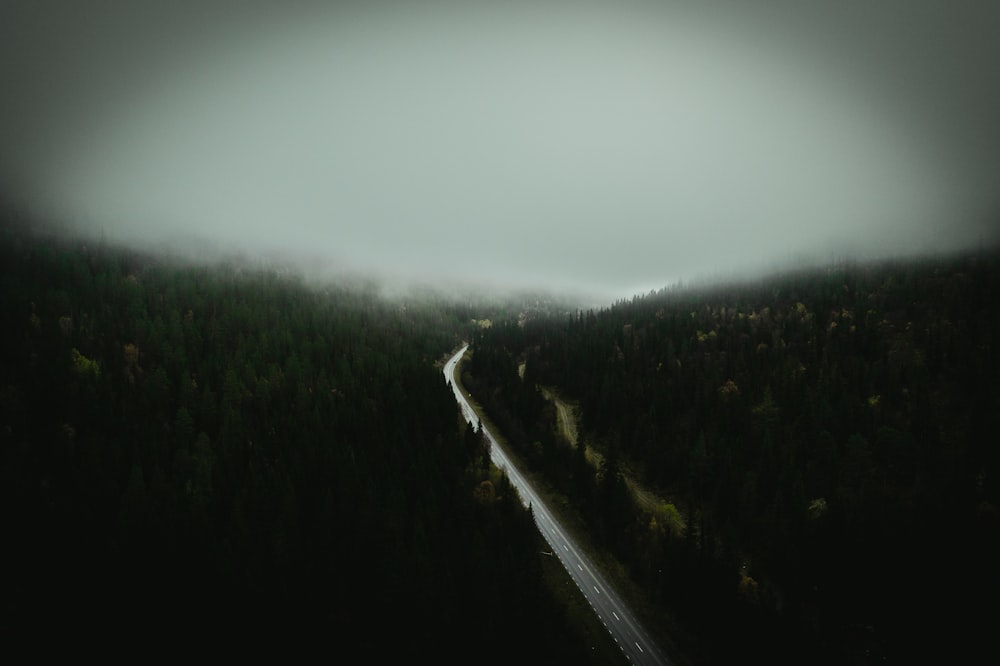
{"x":215,"y":452}
{"x":830,"y":437}
{"x":522,"y":414}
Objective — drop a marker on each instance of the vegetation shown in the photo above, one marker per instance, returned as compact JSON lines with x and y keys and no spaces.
{"x":194,"y":452}
{"x":826,"y":440}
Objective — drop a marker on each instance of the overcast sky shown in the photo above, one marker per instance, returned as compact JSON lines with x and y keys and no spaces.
{"x":610,"y":147}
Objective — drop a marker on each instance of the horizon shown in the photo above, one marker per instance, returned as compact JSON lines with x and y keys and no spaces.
{"x":601,"y":148}
{"x":316,"y":274}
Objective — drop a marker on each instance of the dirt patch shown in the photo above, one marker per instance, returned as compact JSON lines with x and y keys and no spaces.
{"x":566,"y":414}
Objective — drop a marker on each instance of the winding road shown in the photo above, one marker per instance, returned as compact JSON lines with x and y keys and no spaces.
{"x":633,"y":640}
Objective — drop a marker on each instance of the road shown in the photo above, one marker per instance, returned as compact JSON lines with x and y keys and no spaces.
{"x":633,"y":640}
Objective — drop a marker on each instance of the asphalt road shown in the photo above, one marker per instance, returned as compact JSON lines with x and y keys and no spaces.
{"x":633,"y":640}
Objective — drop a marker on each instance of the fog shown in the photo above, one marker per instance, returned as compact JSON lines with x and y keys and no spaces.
{"x":600,"y":147}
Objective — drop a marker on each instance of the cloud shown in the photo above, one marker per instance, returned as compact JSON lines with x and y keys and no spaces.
{"x":599,"y":146}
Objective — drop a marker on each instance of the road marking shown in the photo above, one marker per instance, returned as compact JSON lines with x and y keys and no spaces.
{"x":545,"y":521}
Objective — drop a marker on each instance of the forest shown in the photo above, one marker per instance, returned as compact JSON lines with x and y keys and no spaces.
{"x":221,"y":451}
{"x":216,"y":454}
{"x":824,"y":442}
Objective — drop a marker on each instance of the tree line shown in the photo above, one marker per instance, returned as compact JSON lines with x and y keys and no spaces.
{"x":826,"y":439}
{"x":225,"y":452}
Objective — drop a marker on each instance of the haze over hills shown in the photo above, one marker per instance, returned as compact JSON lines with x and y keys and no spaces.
{"x":797,"y":429}
{"x":156,"y":412}
{"x":751,"y":247}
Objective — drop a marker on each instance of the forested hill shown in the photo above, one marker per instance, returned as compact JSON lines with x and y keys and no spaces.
{"x":198,"y":451}
{"x":828,"y":440}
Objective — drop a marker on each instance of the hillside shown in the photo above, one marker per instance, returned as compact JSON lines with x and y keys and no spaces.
{"x":826,"y":439}
{"x":222,"y":455}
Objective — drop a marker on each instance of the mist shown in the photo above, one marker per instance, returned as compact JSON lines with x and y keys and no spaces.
{"x":598,"y":147}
